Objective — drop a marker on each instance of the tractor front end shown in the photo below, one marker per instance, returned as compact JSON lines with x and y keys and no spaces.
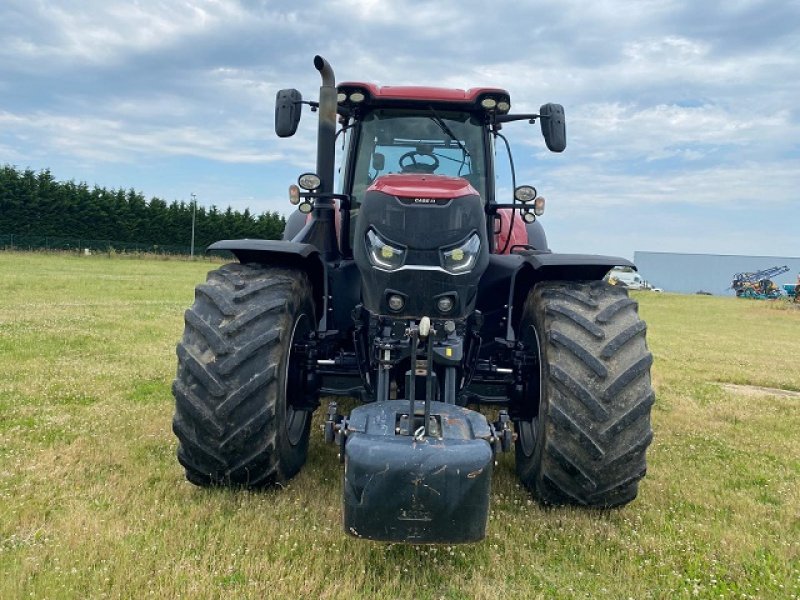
{"x":418,"y":290}
{"x":417,"y":465}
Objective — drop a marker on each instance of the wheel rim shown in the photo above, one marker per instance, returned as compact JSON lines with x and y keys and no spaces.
{"x":295,"y":420}
{"x":528,"y":429}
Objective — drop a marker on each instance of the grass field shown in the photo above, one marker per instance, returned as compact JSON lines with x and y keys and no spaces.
{"x":94,"y":504}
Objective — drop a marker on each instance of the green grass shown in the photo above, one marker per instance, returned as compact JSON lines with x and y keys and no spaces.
{"x":94,"y":504}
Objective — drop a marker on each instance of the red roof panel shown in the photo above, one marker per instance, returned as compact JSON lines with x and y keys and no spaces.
{"x":414,"y":92}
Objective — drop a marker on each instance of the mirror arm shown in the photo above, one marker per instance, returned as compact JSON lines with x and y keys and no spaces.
{"x":508,"y":118}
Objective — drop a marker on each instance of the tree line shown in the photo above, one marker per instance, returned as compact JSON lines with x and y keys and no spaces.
{"x":34,"y":203}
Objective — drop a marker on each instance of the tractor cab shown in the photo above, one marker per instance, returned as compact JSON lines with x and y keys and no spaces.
{"x":415,"y":130}
{"x":411,"y":130}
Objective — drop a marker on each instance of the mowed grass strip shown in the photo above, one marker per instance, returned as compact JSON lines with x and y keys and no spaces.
{"x":94,"y":504}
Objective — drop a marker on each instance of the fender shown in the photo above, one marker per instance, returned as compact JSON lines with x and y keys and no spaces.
{"x":508,"y":279}
{"x":536,"y":236}
{"x":303,"y":257}
{"x":294,"y":224}
{"x":573,"y":267}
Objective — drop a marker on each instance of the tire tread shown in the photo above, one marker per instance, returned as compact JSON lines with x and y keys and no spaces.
{"x":596,"y":373}
{"x":228,"y":377}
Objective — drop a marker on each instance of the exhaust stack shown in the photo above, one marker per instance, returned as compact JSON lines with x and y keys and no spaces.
{"x":326,"y":136}
{"x":321,"y":230}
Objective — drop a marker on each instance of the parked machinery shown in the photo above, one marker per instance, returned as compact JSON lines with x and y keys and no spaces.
{"x":793,"y":290}
{"x":758,"y":284}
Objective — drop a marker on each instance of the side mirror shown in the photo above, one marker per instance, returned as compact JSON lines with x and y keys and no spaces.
{"x":378,"y":161}
{"x":287,"y":112}
{"x":554,"y":128}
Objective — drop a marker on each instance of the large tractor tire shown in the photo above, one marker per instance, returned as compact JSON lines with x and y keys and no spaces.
{"x":585,"y":425}
{"x":239,"y":378}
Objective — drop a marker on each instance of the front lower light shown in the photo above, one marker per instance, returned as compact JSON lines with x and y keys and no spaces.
{"x":445,"y":304}
{"x":461,"y":258}
{"x":382,"y":254}
{"x":396,"y":302}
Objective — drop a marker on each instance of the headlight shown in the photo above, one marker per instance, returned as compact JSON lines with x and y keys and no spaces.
{"x":309,"y":181}
{"x":462,"y":257}
{"x":382,"y":254}
{"x":525,"y":193}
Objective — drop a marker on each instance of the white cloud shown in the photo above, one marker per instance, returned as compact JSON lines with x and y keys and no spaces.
{"x":587,"y":187}
{"x":421,"y":19}
{"x":669,"y":51}
{"x":108,"y":140}
{"x":628,"y":132}
{"x":104,"y":32}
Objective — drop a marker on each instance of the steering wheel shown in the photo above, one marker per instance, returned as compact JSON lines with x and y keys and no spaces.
{"x":408,"y":163}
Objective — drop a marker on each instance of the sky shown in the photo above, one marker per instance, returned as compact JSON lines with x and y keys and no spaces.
{"x":683,"y":124}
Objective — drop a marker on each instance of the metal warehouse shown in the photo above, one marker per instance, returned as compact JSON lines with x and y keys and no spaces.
{"x":691,"y":273}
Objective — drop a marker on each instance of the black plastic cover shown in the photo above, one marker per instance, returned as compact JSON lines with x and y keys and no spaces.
{"x":400,"y":489}
{"x":287,"y":112}
{"x":574,"y":267}
{"x":537,"y":238}
{"x":554,"y":128}
{"x":423,"y":229}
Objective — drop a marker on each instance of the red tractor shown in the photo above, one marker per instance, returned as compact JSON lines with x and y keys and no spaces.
{"x":419,"y":291}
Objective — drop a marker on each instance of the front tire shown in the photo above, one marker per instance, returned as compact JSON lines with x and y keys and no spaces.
{"x":239,"y":377}
{"x":585,"y":427}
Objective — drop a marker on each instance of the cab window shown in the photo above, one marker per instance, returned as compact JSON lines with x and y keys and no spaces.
{"x":440,"y":143}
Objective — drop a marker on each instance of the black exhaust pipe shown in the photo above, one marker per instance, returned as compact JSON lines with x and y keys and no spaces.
{"x":323,"y":221}
{"x":326,"y":136}
{"x":321,"y":229}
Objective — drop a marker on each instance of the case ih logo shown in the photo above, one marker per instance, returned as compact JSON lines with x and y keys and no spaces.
{"x":436,"y":201}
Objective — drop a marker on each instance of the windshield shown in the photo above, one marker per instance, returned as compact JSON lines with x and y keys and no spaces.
{"x":441,"y":143}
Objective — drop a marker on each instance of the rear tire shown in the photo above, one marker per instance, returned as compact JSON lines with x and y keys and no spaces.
{"x":584,"y":430}
{"x":238,"y":380}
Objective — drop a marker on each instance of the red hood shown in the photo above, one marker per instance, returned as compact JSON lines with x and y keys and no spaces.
{"x":423,"y":186}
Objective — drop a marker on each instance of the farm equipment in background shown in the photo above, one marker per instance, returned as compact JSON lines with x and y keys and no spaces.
{"x":793,"y":290}
{"x":420,"y":292}
{"x":758,"y":284}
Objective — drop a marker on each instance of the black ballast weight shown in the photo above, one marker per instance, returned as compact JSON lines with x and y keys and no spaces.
{"x":410,"y":488}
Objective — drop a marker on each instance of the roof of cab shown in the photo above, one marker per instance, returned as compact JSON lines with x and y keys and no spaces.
{"x":422,"y":93}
